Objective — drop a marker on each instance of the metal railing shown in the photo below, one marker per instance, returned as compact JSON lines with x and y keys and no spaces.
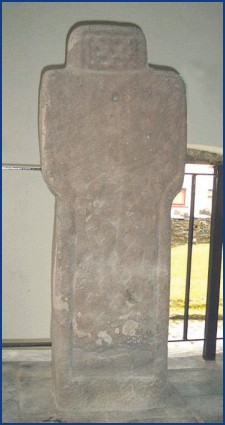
{"x":214,"y":265}
{"x":214,"y":270}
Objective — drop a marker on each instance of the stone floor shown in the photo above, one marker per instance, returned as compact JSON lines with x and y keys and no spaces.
{"x":194,"y":385}
{"x":194,"y":389}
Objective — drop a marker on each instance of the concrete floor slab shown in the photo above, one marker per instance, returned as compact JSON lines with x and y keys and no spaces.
{"x":210,"y":408}
{"x":10,"y":402}
{"x":197,"y":382}
{"x":194,"y":394}
{"x":35,"y":383}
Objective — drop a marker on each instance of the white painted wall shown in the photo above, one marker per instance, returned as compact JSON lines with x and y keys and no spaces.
{"x":186,"y":36}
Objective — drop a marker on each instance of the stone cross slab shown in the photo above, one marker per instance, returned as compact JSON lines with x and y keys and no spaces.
{"x":113,"y":143}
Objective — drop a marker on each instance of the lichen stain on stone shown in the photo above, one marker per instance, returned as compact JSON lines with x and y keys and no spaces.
{"x":61,"y":303}
{"x":78,"y":332}
{"x":130,"y":327}
{"x":125,"y":316}
{"x":103,"y":336}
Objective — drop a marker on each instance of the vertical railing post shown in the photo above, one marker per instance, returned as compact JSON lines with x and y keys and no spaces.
{"x":189,"y":256}
{"x":214,"y":271}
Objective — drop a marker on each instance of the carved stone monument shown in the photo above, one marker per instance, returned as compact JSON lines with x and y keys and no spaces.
{"x":113,"y":143}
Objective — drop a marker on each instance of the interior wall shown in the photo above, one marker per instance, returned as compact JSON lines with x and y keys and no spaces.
{"x":185,"y":36}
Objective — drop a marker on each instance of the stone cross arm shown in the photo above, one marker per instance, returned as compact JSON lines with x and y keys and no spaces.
{"x":113,"y":144}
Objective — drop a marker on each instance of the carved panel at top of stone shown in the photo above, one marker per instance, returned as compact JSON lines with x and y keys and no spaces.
{"x":107,"y":47}
{"x":113,"y":143}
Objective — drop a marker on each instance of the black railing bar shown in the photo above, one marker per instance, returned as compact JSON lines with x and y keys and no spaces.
{"x":199,"y":174}
{"x":190,"y":340}
{"x":21,"y":167}
{"x":49,"y":344}
{"x":189,"y":257}
{"x":25,"y":344}
{"x":38,"y":168}
{"x":214,"y":269}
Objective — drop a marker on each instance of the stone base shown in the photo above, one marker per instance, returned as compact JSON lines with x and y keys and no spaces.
{"x":107,"y":395}
{"x":110,"y":379}
{"x":194,"y":394}
{"x":147,"y":416}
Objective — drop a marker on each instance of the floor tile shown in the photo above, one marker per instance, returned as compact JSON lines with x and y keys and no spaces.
{"x":197,"y":382}
{"x":209,"y":407}
{"x":10,"y":404}
{"x":194,"y":395}
{"x":192,"y":362}
{"x":36,"y":388}
{"x":10,"y":411}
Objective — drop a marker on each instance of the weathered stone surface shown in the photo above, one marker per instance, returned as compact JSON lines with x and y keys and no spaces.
{"x":113,"y":140}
